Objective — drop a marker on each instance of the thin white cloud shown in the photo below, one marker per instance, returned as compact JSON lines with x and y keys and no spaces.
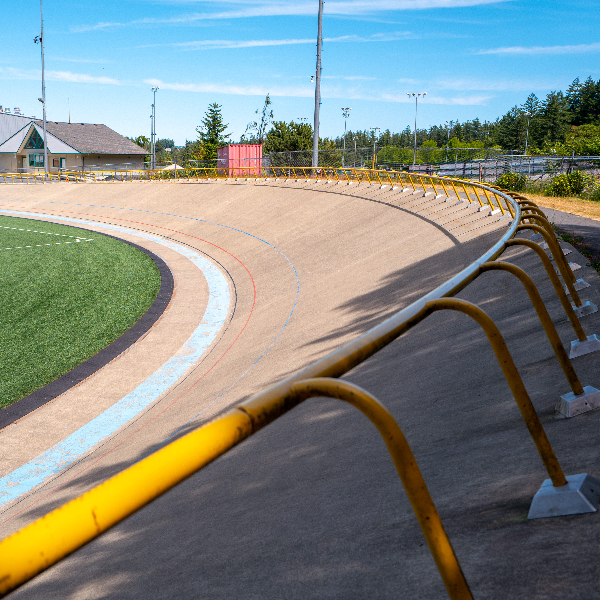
{"x":98,"y":61}
{"x":496,"y":85}
{"x":235,"y":90}
{"x":350,"y":77}
{"x":307,"y":91}
{"x":68,"y":76}
{"x":291,"y":8}
{"x":478,"y":100}
{"x":515,"y":50}
{"x":228,"y":44}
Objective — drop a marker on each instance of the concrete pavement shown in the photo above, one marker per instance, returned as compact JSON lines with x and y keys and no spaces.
{"x":311,"y":507}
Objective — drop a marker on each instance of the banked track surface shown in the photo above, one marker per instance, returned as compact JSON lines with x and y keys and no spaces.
{"x":311,"y":507}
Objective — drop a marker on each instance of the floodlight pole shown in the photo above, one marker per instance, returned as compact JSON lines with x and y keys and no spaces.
{"x":315,"y":152}
{"x":41,"y":38}
{"x":345,"y":114}
{"x":153,"y":128}
{"x":416,"y":97}
{"x":374,"y":130}
{"x":527,"y":133}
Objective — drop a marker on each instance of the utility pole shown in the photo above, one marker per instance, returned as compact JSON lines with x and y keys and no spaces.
{"x":153,"y":130}
{"x":40,"y":39}
{"x":416,"y":97}
{"x":527,"y":133}
{"x":345,"y":114}
{"x":374,"y":130}
{"x":315,"y":153}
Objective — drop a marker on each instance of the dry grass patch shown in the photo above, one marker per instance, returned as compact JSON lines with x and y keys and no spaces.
{"x":575,"y":206}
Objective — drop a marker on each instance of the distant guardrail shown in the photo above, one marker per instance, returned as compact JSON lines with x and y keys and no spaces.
{"x":57,"y":534}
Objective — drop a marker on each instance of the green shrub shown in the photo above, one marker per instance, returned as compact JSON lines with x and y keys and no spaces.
{"x":515,"y":182}
{"x":569,"y":184}
{"x":593,"y":192}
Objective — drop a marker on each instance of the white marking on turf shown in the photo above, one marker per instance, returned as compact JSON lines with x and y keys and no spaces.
{"x":83,"y":440}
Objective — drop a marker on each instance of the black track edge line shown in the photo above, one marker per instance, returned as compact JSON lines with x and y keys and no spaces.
{"x":33,"y":401}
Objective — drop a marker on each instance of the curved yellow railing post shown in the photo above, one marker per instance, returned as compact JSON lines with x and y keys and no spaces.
{"x":408,"y":470}
{"x":545,"y":319}
{"x":513,"y":379}
{"x":477,"y":195}
{"x":558,"y":288}
{"x":565,"y":271}
{"x":412,"y":183}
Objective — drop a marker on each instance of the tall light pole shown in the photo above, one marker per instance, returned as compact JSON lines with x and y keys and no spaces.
{"x":153,"y":130}
{"x":448,"y":127}
{"x":345,"y":114}
{"x":374,"y":129}
{"x":315,"y":152}
{"x":416,"y":97}
{"x":40,"y":39}
{"x":527,"y":133}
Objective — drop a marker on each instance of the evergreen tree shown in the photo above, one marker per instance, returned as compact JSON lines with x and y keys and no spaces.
{"x":211,"y":134}
{"x":555,"y":118}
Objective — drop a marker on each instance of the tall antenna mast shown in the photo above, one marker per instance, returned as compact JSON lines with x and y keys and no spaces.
{"x":43,"y":88}
{"x":315,"y":153}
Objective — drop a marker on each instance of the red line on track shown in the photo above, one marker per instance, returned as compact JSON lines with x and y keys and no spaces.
{"x":183,"y":393}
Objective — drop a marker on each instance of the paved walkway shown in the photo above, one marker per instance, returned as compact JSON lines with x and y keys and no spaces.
{"x":311,"y":507}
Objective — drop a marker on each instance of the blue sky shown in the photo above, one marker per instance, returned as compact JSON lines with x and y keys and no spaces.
{"x":474,"y":58}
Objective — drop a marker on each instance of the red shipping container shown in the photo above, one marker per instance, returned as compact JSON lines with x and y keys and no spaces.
{"x":240,"y":160}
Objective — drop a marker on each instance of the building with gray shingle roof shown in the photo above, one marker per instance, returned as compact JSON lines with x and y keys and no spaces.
{"x":70,"y":146}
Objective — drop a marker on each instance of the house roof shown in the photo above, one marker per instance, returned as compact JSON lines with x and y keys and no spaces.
{"x":89,"y":138}
{"x":83,"y":138}
{"x":16,"y":143}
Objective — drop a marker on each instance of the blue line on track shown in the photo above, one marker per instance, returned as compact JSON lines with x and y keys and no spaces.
{"x":84,"y":439}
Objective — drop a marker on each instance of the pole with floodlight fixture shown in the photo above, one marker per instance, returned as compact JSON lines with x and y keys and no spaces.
{"x":40,"y":39}
{"x":153,"y":130}
{"x":345,"y":114}
{"x":374,"y":129}
{"x":315,"y":152}
{"x":416,"y":97}
{"x":528,"y":115}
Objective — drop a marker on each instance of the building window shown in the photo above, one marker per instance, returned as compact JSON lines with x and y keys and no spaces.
{"x":36,"y":160}
{"x":35,"y":141}
{"x":55,"y":162}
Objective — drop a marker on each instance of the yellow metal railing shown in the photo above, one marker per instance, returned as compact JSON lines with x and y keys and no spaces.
{"x":54,"y":536}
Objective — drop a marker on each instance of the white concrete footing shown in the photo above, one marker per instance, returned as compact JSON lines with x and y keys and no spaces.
{"x":578,"y":496}
{"x":589,"y":345}
{"x":579,"y":285}
{"x":536,"y":236}
{"x":586,"y":308}
{"x":574,"y":266}
{"x":440,"y":196}
{"x":494,"y":212}
{"x":570,"y":405}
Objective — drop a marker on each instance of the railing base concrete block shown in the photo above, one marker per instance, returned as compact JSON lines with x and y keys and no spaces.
{"x":587,"y":308}
{"x":578,"y":496}
{"x":381,"y":187}
{"x":427,"y":194}
{"x":574,"y":266}
{"x":417,"y":192}
{"x":494,"y":212}
{"x":482,"y":208}
{"x":579,"y":285}
{"x":536,"y":236}
{"x":570,"y":405}
{"x":449,"y":199}
{"x":592,"y":344}
{"x":439,"y":196}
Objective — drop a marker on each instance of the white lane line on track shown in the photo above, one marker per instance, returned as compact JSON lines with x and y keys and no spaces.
{"x":80,"y":442}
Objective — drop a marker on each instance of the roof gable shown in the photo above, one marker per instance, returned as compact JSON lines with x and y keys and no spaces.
{"x":89,"y":138}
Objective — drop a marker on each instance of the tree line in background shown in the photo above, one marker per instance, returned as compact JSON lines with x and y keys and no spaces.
{"x":561,"y":123}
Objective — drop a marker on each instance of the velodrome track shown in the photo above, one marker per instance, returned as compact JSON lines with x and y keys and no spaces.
{"x":311,"y":507}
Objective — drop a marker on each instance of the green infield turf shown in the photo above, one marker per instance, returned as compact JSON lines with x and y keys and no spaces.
{"x":65,"y":293}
